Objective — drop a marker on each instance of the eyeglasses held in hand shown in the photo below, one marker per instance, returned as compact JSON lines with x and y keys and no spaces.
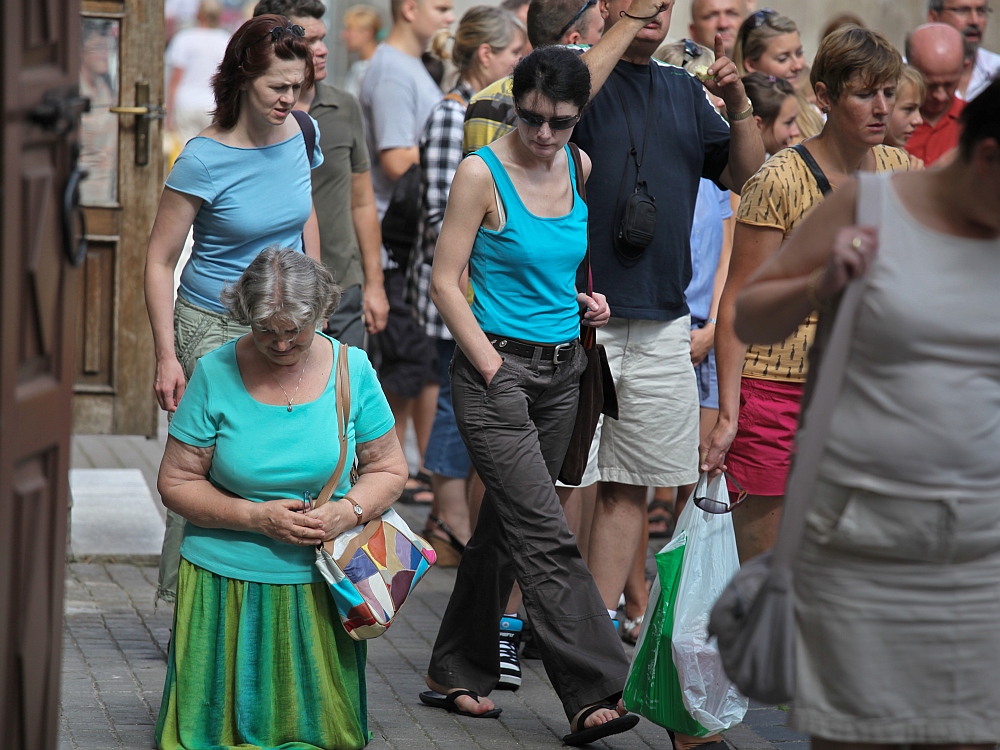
{"x":711,"y":505}
{"x":575,"y":18}
{"x":278,"y":31}
{"x":533,"y":120}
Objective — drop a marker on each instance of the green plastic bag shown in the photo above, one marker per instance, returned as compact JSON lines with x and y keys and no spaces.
{"x":653,"y":689}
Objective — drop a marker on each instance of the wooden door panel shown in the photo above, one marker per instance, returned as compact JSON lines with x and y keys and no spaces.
{"x":37,"y":302}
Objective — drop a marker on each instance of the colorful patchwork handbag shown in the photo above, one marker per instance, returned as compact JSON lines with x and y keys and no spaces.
{"x":373,"y":567}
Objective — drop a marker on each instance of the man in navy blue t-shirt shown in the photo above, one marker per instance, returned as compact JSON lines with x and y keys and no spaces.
{"x":654,"y":443}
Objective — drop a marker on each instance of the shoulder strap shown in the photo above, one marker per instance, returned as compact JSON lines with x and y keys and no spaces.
{"x":815,"y":422}
{"x":308,"y":132}
{"x":342,"y":386}
{"x":456,"y":97}
{"x":584,"y":277}
{"x":817,"y":173}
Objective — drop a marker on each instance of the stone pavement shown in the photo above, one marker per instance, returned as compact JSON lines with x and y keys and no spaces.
{"x":114,"y":660}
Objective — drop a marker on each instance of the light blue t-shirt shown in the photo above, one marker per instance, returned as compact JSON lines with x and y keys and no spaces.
{"x":525,"y":273}
{"x":265,"y":452}
{"x":253,"y":197}
{"x":711,"y":208}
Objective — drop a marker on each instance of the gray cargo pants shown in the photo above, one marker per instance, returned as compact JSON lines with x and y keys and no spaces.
{"x":517,"y":430}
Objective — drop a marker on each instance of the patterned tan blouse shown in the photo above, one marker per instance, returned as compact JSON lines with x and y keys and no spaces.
{"x":779,"y":196}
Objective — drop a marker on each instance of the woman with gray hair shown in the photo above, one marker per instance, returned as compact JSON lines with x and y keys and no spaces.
{"x":252,"y":442}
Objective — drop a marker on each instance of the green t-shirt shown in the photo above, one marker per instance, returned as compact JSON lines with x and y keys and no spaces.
{"x":265,"y":452}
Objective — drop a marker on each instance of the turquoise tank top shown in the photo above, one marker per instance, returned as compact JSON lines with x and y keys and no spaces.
{"x":525,"y":273}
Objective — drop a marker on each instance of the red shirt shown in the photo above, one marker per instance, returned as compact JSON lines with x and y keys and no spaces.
{"x":931,"y":142}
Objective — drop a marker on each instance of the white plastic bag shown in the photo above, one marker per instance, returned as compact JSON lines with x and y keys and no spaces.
{"x":710,"y":561}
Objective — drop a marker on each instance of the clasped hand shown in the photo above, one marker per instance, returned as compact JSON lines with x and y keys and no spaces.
{"x":598,"y":313}
{"x":291,"y":522}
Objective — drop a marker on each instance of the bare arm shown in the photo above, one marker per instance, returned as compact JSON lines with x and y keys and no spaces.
{"x":746,"y":149}
{"x":603,"y":56}
{"x":702,"y":340}
{"x":174,"y":218}
{"x":364,"y":215}
{"x":751,"y":247}
{"x":471,"y":199}
{"x":775,"y":300}
{"x":395,"y":161}
{"x":183,"y":484}
{"x":382,"y":474}
{"x":310,"y":236}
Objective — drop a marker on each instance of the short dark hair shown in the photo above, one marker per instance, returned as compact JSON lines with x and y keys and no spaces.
{"x":289,"y":8}
{"x":248,"y":56}
{"x":554,"y":72}
{"x":546,"y":18}
{"x":850,"y":50}
{"x":979,"y":119}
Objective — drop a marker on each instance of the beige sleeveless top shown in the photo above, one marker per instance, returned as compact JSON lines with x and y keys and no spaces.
{"x":919,"y":411}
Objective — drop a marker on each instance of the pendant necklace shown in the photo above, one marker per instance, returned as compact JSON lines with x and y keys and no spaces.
{"x":296,"y":391}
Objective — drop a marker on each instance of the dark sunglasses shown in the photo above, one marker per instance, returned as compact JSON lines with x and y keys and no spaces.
{"x":711,"y":505}
{"x":536,"y":121}
{"x":692,"y":51}
{"x":574,"y":19}
{"x":277,"y":32}
{"x":755,"y":21}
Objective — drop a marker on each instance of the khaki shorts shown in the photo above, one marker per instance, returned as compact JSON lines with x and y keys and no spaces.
{"x":196,"y":332}
{"x":654,"y":441}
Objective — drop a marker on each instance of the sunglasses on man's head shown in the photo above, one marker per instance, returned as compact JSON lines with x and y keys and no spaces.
{"x":575,"y":18}
{"x":278,"y":31}
{"x":533,"y":120}
{"x":692,"y":50}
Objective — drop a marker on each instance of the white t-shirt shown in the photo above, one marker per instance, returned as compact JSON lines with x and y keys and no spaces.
{"x":987,"y":68}
{"x":198,"y":52}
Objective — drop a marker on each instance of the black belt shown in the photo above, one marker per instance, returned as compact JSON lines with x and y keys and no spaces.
{"x":556,"y":353}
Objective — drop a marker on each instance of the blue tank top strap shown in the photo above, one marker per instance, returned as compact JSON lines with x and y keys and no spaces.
{"x":505,"y":186}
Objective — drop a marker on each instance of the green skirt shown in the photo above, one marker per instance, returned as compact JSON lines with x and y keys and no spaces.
{"x":256,"y":665}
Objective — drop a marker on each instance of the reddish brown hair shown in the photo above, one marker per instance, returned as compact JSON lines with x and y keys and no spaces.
{"x":249,"y":54}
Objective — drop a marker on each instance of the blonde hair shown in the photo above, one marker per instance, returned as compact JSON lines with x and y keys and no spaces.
{"x":481,"y":24}
{"x":673,"y":53}
{"x":363,"y":15}
{"x":913,"y":77}
{"x":752,"y":41}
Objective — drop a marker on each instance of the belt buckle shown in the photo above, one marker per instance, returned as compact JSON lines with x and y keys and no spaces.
{"x":557,"y":353}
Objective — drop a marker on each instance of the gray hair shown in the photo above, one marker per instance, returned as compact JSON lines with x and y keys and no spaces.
{"x":935,"y":5}
{"x":285,"y":286}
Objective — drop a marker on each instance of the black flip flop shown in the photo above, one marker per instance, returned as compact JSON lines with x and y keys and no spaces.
{"x":447,"y":702}
{"x":608,"y":728}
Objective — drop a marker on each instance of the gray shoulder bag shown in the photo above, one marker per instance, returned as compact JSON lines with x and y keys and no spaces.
{"x":754,"y":618}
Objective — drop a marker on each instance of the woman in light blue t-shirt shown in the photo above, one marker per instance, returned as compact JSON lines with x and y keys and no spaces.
{"x":242,"y":184}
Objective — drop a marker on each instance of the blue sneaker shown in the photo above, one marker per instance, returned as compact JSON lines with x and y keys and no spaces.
{"x":510,"y":667}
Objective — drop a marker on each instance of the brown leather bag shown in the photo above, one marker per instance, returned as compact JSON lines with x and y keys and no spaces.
{"x":597,"y":387}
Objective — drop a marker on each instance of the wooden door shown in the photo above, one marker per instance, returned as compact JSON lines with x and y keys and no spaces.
{"x":38,"y":284}
{"x":121,"y":67}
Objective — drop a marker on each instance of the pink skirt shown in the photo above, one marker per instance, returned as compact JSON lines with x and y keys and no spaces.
{"x":761,"y":454}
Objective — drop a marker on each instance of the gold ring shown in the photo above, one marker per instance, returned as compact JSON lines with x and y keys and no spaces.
{"x":856,"y":243}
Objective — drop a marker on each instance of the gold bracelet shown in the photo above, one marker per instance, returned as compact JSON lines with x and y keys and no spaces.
{"x":744,"y":115}
{"x":813,"y":299}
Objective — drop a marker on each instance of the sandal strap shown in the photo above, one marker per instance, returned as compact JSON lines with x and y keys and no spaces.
{"x":661,"y":505}
{"x":454,"y":695}
{"x":586,"y":714}
{"x":629,"y":624}
{"x":432,"y":519}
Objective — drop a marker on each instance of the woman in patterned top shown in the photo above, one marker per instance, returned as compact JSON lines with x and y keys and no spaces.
{"x":760,"y":387}
{"x":485,"y":48}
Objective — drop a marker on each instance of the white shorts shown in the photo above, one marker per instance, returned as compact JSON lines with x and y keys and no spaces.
{"x":654,"y":441}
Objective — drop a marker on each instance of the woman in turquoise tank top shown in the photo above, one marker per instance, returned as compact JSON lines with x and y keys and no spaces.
{"x":514,"y":217}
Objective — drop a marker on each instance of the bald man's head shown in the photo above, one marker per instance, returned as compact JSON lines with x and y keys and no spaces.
{"x":937,"y":50}
{"x":711,"y":17}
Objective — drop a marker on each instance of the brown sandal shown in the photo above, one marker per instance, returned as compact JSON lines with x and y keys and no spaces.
{"x":449,"y":551}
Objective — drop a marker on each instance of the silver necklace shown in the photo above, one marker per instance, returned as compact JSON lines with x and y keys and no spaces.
{"x":296,"y":391}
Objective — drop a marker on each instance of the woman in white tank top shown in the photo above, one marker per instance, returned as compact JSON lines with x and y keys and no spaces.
{"x":898,"y":579}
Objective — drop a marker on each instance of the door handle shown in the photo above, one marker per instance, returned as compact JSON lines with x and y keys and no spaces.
{"x":59,"y":111}
{"x":143,"y":111}
{"x":75,"y":246}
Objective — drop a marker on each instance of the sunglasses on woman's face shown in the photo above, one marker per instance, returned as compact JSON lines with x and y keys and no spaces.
{"x":533,"y":120}
{"x":278,"y":31}
{"x":711,"y":505}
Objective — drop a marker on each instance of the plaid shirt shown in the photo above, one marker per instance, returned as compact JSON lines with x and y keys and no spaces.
{"x":440,"y":155}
